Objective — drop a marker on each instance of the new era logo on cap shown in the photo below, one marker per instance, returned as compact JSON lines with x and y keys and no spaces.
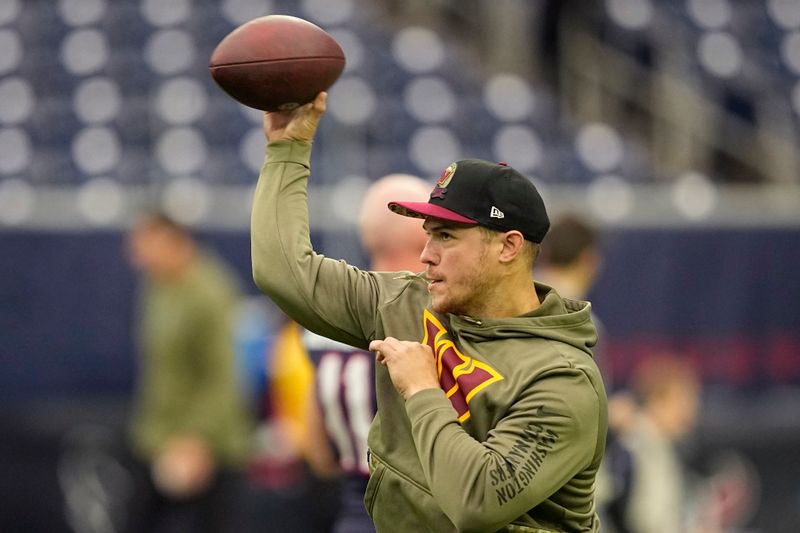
{"x":494,"y":195}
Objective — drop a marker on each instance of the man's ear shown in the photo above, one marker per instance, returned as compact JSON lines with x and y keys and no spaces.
{"x":513,"y":243}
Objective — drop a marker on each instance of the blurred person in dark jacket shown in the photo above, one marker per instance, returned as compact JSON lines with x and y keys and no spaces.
{"x":570,"y":260}
{"x":570,"y":263}
{"x":190,"y":427}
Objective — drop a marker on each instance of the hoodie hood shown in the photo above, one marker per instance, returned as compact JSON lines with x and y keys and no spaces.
{"x":557,"y":318}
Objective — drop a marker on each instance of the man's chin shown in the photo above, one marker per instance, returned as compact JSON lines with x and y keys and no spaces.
{"x":441,"y":306}
{"x":438,"y":306}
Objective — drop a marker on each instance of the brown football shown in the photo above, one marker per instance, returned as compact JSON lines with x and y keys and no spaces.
{"x":276,"y":62}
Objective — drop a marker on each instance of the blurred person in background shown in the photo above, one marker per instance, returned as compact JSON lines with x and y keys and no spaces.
{"x":190,"y":429}
{"x":570,"y":262}
{"x":570,"y":258}
{"x":340,"y":414}
{"x":285,"y":494}
{"x":662,"y":409}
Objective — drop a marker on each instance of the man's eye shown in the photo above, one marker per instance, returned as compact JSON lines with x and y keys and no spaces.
{"x":445,"y":236}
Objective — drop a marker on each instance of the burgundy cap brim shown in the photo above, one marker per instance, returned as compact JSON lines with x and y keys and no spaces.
{"x":424,"y":209}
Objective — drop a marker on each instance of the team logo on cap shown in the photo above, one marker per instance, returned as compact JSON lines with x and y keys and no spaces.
{"x":447,"y":175}
{"x":443,"y":181}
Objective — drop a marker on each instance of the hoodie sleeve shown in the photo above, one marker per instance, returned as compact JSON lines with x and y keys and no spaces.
{"x":324,"y":295}
{"x":544,"y":440}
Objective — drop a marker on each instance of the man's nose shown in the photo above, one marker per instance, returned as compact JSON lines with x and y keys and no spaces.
{"x":427,"y":256}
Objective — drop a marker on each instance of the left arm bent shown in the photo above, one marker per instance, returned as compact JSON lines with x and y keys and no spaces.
{"x":544,"y":440}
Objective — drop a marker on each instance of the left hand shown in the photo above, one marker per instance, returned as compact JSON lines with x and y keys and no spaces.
{"x":411,"y":365}
{"x":184,"y":467}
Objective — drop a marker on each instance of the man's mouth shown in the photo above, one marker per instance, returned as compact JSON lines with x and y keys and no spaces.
{"x":432,"y":282}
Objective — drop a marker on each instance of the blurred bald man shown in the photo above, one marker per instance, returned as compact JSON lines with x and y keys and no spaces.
{"x":344,"y":406}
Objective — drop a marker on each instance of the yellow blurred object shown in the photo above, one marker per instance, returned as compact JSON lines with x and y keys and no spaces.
{"x":292,"y":382}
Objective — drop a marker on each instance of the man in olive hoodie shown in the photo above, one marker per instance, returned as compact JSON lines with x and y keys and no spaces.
{"x":491,"y":411}
{"x":190,"y":427}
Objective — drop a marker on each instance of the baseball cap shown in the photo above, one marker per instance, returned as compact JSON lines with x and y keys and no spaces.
{"x":494,"y":195}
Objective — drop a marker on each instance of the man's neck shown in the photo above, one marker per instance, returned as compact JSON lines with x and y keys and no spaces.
{"x":510,"y":299}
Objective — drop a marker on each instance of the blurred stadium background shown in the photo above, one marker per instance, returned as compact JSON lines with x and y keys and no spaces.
{"x":672,"y":125}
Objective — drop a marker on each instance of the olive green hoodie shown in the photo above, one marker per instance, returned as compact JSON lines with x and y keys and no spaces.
{"x":187,"y":383}
{"x":513,"y":440}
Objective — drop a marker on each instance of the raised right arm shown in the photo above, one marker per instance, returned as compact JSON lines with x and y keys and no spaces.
{"x":326,"y":296}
